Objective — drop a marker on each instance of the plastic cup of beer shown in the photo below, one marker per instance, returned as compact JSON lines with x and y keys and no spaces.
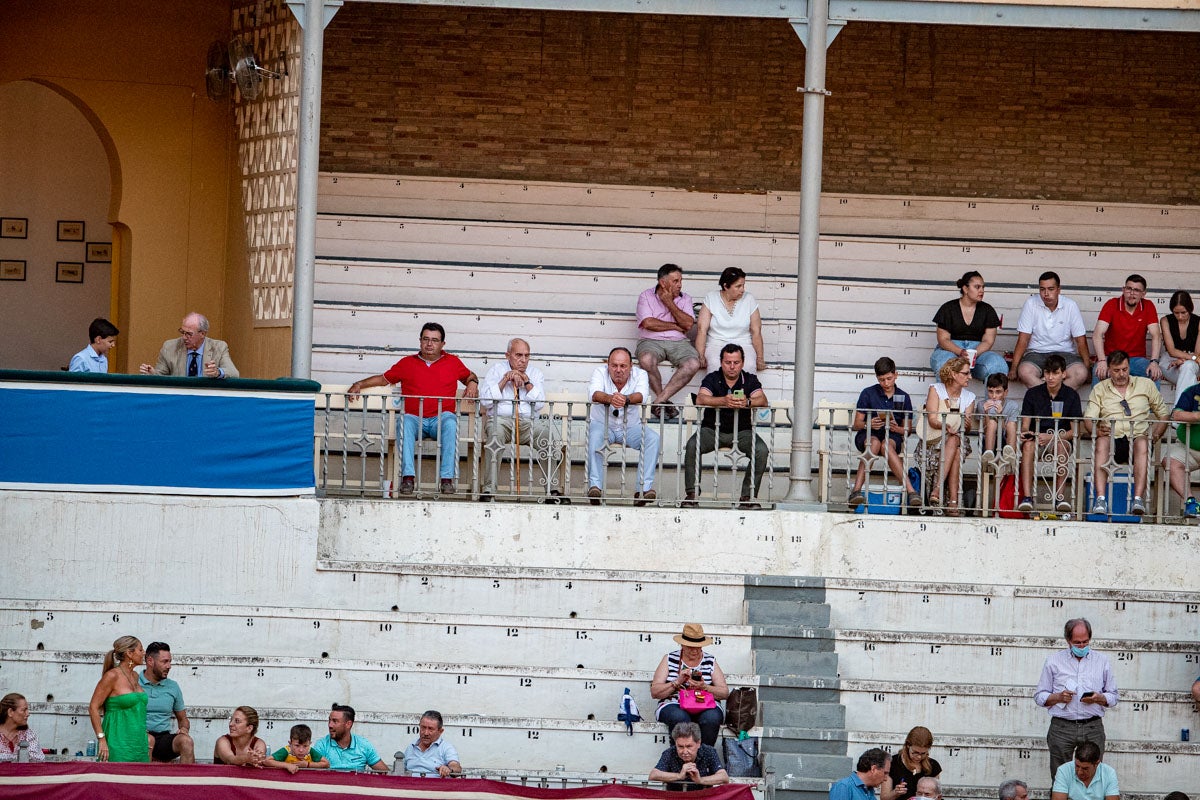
{"x":1056,"y":408}
{"x":971,"y":358}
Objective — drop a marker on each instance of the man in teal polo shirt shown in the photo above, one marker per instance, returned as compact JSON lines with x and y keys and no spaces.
{"x":871,"y":770}
{"x":345,"y":751}
{"x":164,"y":700}
{"x":1087,"y":778}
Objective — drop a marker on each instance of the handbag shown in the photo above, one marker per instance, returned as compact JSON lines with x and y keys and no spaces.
{"x":951,"y":422}
{"x":741,"y":709}
{"x":741,"y":757}
{"x":695,"y":700}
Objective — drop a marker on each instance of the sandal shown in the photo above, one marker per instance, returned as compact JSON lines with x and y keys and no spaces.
{"x":952,"y":509}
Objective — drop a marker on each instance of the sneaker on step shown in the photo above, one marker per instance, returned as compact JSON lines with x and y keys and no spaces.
{"x":1026,"y":505}
{"x":1100,"y":506}
{"x":1139,"y":506}
{"x":856,"y":499}
{"x":594,"y":495}
{"x":1191,"y":509}
{"x":1063,"y":506}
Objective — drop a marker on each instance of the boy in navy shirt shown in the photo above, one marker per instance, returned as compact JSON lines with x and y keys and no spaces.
{"x":886,"y":411}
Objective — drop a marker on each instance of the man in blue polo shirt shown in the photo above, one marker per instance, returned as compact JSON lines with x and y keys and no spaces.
{"x":871,"y":770}
{"x":164,"y":700}
{"x":431,"y":756}
{"x":1087,"y":778}
{"x":345,"y":751}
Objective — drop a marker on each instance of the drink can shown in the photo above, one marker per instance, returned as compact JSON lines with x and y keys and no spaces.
{"x":91,"y":748}
{"x":1185,"y":734}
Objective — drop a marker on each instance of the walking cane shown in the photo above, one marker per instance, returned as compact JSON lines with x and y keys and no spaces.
{"x":517,"y":431}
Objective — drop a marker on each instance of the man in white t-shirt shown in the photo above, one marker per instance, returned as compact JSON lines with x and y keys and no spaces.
{"x":617,"y":391}
{"x":1050,"y":324}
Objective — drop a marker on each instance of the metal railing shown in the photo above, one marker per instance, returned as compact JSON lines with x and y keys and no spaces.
{"x":564,"y":453}
{"x":1055,"y":470}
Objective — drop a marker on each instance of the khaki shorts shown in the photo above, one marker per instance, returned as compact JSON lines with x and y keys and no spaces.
{"x":672,"y":351}
{"x":1184,"y":455}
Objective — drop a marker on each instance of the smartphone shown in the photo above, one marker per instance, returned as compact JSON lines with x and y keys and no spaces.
{"x":1087,"y":694}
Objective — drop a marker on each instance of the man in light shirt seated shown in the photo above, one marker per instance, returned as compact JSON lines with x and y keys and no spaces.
{"x":1087,"y":778}
{"x":430,"y":756}
{"x":514,"y":395}
{"x":1049,"y":324}
{"x":617,"y":391}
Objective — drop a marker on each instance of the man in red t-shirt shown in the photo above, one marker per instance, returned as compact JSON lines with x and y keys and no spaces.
{"x":428,"y":381}
{"x":1122,"y":325}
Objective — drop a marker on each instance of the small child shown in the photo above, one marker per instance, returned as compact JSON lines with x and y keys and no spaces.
{"x":300,"y":751}
{"x":1001,"y":417}
{"x":880,"y":405}
{"x":94,"y":358}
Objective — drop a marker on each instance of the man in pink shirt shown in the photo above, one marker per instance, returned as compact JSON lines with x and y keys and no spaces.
{"x":665,"y":317}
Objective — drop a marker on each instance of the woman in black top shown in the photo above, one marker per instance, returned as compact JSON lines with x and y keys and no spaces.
{"x":968,"y":324}
{"x":910,"y":765}
{"x":1180,"y":330}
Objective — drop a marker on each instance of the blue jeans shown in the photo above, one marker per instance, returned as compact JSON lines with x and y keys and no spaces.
{"x":638,"y":437}
{"x":986,"y":363}
{"x":443,"y":428}
{"x":709,"y":720}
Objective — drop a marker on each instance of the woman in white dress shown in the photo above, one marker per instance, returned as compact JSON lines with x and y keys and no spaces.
{"x":730,"y":316}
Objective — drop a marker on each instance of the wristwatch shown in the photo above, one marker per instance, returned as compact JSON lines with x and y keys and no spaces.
{"x":100,"y":735}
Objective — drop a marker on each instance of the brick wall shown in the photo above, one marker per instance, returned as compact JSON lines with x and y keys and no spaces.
{"x":712,"y":103}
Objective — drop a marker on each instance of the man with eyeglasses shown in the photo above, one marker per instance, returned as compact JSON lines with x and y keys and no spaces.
{"x":1119,"y":414}
{"x":429,"y":382}
{"x":618,"y":390}
{"x":1123,"y":324}
{"x":193,"y":354}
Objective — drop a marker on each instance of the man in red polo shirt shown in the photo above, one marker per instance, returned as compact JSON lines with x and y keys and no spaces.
{"x":428,"y":381}
{"x":1122,"y":325}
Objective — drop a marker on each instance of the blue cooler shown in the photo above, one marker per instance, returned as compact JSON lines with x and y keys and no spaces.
{"x":1119,"y":499}
{"x":882,"y":500}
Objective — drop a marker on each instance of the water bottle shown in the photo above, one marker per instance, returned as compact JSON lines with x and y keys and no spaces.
{"x":23,"y":753}
{"x":91,"y":748}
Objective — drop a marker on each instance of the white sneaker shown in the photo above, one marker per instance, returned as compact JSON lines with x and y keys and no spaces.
{"x":1100,"y":506}
{"x":1063,"y":506}
{"x":1139,"y":506}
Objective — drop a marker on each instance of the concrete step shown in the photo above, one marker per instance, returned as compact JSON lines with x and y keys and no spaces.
{"x":787,"y":612}
{"x":799,"y":689}
{"x":773,"y":587}
{"x":804,"y":715}
{"x":816,"y":741}
{"x":832,"y":767}
{"x":791,"y":637}
{"x":772,"y":661}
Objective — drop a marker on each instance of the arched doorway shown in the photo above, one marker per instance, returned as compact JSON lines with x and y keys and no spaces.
{"x":57,"y":176}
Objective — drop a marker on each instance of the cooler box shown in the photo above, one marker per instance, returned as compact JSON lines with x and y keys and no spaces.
{"x":1119,"y":499}
{"x":883,"y":500}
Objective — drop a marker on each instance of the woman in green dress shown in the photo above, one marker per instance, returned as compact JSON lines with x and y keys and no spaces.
{"x":122,"y":736}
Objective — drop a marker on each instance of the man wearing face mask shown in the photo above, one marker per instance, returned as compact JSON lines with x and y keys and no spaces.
{"x":929,"y":788}
{"x":1076,"y":686}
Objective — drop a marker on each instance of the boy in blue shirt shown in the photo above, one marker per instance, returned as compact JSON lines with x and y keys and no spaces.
{"x":884,"y":404}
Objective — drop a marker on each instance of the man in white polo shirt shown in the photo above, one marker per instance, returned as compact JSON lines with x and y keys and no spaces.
{"x":1050,"y":324}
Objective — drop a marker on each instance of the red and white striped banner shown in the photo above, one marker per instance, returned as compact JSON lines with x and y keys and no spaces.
{"x":84,"y":780}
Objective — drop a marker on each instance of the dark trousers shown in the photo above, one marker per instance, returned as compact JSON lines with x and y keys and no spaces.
{"x":707,"y":440}
{"x":1065,"y":735}
{"x":709,"y":721}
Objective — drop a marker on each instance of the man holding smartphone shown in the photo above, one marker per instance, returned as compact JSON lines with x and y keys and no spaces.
{"x":1076,"y":686}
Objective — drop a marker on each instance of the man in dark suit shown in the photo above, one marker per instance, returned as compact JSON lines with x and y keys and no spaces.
{"x":193,"y":354}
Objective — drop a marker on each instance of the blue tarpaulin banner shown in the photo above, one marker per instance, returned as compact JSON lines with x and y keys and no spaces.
{"x":165,"y":440}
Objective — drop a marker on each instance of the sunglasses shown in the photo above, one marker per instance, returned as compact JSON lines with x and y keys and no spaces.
{"x":1125,"y":408}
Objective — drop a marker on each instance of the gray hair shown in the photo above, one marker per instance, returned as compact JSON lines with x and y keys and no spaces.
{"x":1008,"y":789}
{"x":1072,"y":624}
{"x":513,"y":341}
{"x":201,"y":320}
{"x":937,"y":785}
{"x":685,"y":730}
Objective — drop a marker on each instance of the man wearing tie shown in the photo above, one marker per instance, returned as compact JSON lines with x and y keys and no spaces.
{"x":193,"y":354}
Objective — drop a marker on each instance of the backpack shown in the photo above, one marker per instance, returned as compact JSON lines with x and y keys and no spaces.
{"x":1006,"y":499}
{"x":741,"y":709}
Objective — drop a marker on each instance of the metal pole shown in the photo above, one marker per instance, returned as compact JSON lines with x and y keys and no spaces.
{"x":313,"y":20}
{"x":801,"y":489}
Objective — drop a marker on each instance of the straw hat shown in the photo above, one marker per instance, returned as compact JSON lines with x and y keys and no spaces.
{"x":693,"y":636}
